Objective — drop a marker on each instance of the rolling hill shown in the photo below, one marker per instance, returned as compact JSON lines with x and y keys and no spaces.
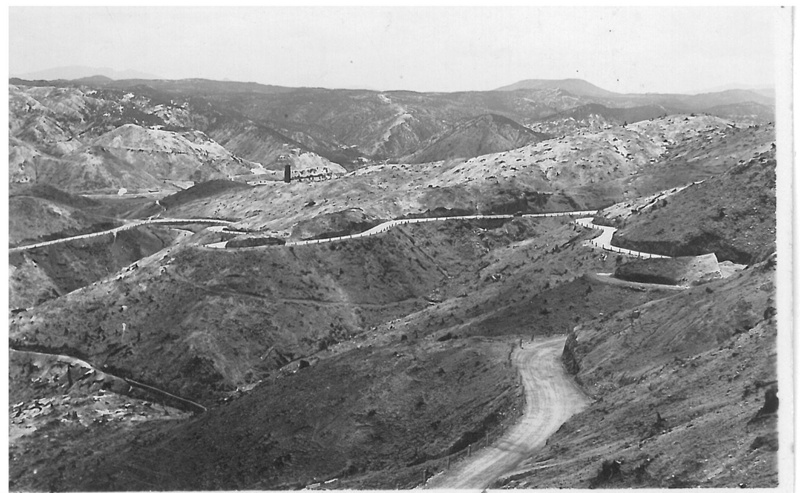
{"x":486,"y":134}
{"x":80,"y":140}
{"x":162,"y":357}
{"x":351,"y":127}
{"x":596,"y":117}
{"x":731,"y":215}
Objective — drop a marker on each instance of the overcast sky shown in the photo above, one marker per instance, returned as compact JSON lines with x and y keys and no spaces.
{"x":671,"y":49}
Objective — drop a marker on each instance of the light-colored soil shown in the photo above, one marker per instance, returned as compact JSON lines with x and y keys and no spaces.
{"x":604,"y":240}
{"x":607,"y":278}
{"x":115,"y":231}
{"x":551,"y":397}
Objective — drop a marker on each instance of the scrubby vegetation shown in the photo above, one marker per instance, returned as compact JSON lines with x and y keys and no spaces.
{"x":367,"y":362}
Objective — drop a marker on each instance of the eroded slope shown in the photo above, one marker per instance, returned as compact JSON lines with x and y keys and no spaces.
{"x":371,"y":418}
{"x":731,"y":215}
{"x":684,"y":394}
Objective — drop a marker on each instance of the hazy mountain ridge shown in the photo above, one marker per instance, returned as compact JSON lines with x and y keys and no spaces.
{"x":482,"y":135}
{"x":595,"y":117}
{"x":745,"y":112}
{"x":578,"y":87}
{"x":82,"y":139}
{"x":345,"y":126}
{"x":83,"y":72}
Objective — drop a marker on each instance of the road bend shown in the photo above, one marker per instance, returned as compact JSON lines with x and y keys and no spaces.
{"x":386,"y":226}
{"x":604,"y":240}
{"x":551,"y":397}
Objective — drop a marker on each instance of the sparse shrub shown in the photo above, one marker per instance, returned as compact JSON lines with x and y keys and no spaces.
{"x":609,"y":470}
{"x":640,"y":471}
{"x":768,"y":442}
{"x":770,"y":401}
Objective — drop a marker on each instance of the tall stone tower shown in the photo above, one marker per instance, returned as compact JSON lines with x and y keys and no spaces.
{"x":287,"y":167}
{"x":287,"y":173}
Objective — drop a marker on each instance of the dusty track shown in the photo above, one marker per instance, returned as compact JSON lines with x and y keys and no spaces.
{"x":551,"y":397}
{"x":386,"y":226}
{"x":604,"y":240}
{"x":124,"y":227}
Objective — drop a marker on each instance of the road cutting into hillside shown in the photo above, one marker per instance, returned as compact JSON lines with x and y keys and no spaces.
{"x":551,"y":397}
{"x":386,"y":226}
{"x":124,"y":227}
{"x":604,"y":240}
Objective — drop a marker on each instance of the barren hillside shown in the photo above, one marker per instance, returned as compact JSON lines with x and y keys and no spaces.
{"x":731,"y":215}
{"x":486,"y":134}
{"x":255,"y":121}
{"x":179,"y":356}
{"x":582,"y":171}
{"x":372,"y":417}
{"x":424,"y":288}
{"x":684,"y":395}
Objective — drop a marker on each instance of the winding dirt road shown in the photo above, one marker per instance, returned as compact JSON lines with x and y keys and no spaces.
{"x":604,"y":240}
{"x":386,"y":226}
{"x":551,"y":397}
{"x":124,"y":227}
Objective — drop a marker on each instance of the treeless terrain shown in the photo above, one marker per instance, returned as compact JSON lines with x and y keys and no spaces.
{"x":364,"y":363}
{"x":550,"y":398}
{"x":371,"y":417}
{"x":485,"y":134}
{"x":731,"y":215}
{"x":684,"y":395}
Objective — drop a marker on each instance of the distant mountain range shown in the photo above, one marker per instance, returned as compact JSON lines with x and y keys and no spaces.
{"x":57,"y":122}
{"x":768,"y":91}
{"x":578,"y":87}
{"x":79,"y":72}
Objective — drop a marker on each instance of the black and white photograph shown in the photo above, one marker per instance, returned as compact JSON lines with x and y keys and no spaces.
{"x":370,"y":247}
